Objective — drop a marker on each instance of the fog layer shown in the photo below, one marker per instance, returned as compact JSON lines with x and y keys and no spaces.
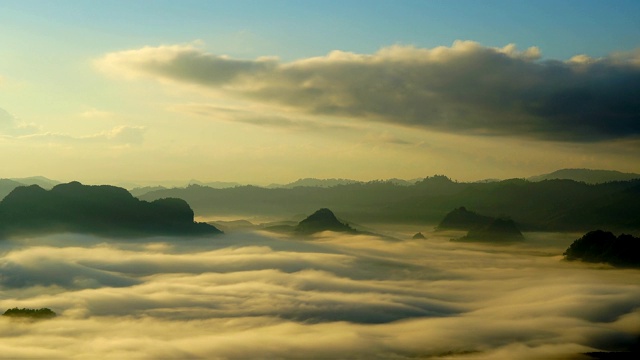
{"x":251,"y":295}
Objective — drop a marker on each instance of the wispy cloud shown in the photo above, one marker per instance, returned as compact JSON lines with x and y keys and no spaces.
{"x":123,"y":135}
{"x":465,"y":88}
{"x":258,"y":118}
{"x":93,"y":113}
{"x":11,"y":128}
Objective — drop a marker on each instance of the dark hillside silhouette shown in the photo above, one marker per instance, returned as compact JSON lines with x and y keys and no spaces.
{"x":604,"y":247}
{"x":499,"y":230}
{"x":44,"y":313}
{"x":322,"y":220}
{"x":463,"y":219}
{"x":103,"y":210}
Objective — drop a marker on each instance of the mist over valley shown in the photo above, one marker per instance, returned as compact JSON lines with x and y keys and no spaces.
{"x":280,"y":179}
{"x":316,"y":285}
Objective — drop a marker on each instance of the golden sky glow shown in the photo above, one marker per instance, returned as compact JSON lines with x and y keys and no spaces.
{"x":87,"y":97}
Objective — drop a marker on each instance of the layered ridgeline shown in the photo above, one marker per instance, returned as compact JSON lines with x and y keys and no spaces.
{"x":588,"y":176}
{"x":550,"y":205}
{"x":101,"y":210}
{"x":604,"y":247}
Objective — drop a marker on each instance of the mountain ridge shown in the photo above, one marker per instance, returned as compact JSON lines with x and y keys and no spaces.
{"x":589,"y":176}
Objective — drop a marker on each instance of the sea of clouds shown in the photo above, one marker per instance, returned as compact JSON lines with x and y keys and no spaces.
{"x":261,"y":295}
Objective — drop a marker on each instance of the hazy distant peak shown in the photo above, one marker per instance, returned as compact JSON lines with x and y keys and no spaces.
{"x":588,"y":176}
{"x":42,"y":181}
{"x":313,"y":182}
{"x":214,"y":184}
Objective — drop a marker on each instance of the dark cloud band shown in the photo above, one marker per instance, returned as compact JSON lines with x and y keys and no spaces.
{"x":465,"y":88}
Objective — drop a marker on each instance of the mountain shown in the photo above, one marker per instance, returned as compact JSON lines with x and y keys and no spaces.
{"x":101,"y":210}
{"x":215,"y":184}
{"x":418,"y":236}
{"x":499,"y":230}
{"x":322,"y":220}
{"x":139,"y":191}
{"x":587,"y":176}
{"x":463,"y":219}
{"x":604,"y":247}
{"x":549,"y":205}
{"x":41,"y":181}
{"x":7,"y":186}
{"x":311,"y":182}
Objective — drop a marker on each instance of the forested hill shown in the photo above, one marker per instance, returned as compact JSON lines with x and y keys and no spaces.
{"x":544,"y":205}
{"x":101,"y":210}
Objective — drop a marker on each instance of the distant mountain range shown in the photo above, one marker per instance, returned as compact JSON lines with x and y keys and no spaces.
{"x":326,"y":183}
{"x":583,"y":175}
{"x":557,"y":205}
{"x":587,"y":176}
{"x":311,"y":182}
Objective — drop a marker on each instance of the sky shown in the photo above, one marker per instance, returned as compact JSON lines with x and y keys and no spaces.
{"x":272,"y":91}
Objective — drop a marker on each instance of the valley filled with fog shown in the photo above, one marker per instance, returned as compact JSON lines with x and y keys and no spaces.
{"x":256,"y":294}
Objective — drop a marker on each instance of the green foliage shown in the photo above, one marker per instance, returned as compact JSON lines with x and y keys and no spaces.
{"x":43,"y":313}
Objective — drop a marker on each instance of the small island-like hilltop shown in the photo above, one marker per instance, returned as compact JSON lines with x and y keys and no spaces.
{"x":322,"y":220}
{"x":604,"y":247}
{"x":43,"y":313}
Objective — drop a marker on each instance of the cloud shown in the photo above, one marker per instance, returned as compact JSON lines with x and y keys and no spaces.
{"x":465,"y":88}
{"x":11,"y":126}
{"x":93,"y":113}
{"x":255,"y":295}
{"x":257,"y":118}
{"x":183,"y":62}
{"x":119,"y":135}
